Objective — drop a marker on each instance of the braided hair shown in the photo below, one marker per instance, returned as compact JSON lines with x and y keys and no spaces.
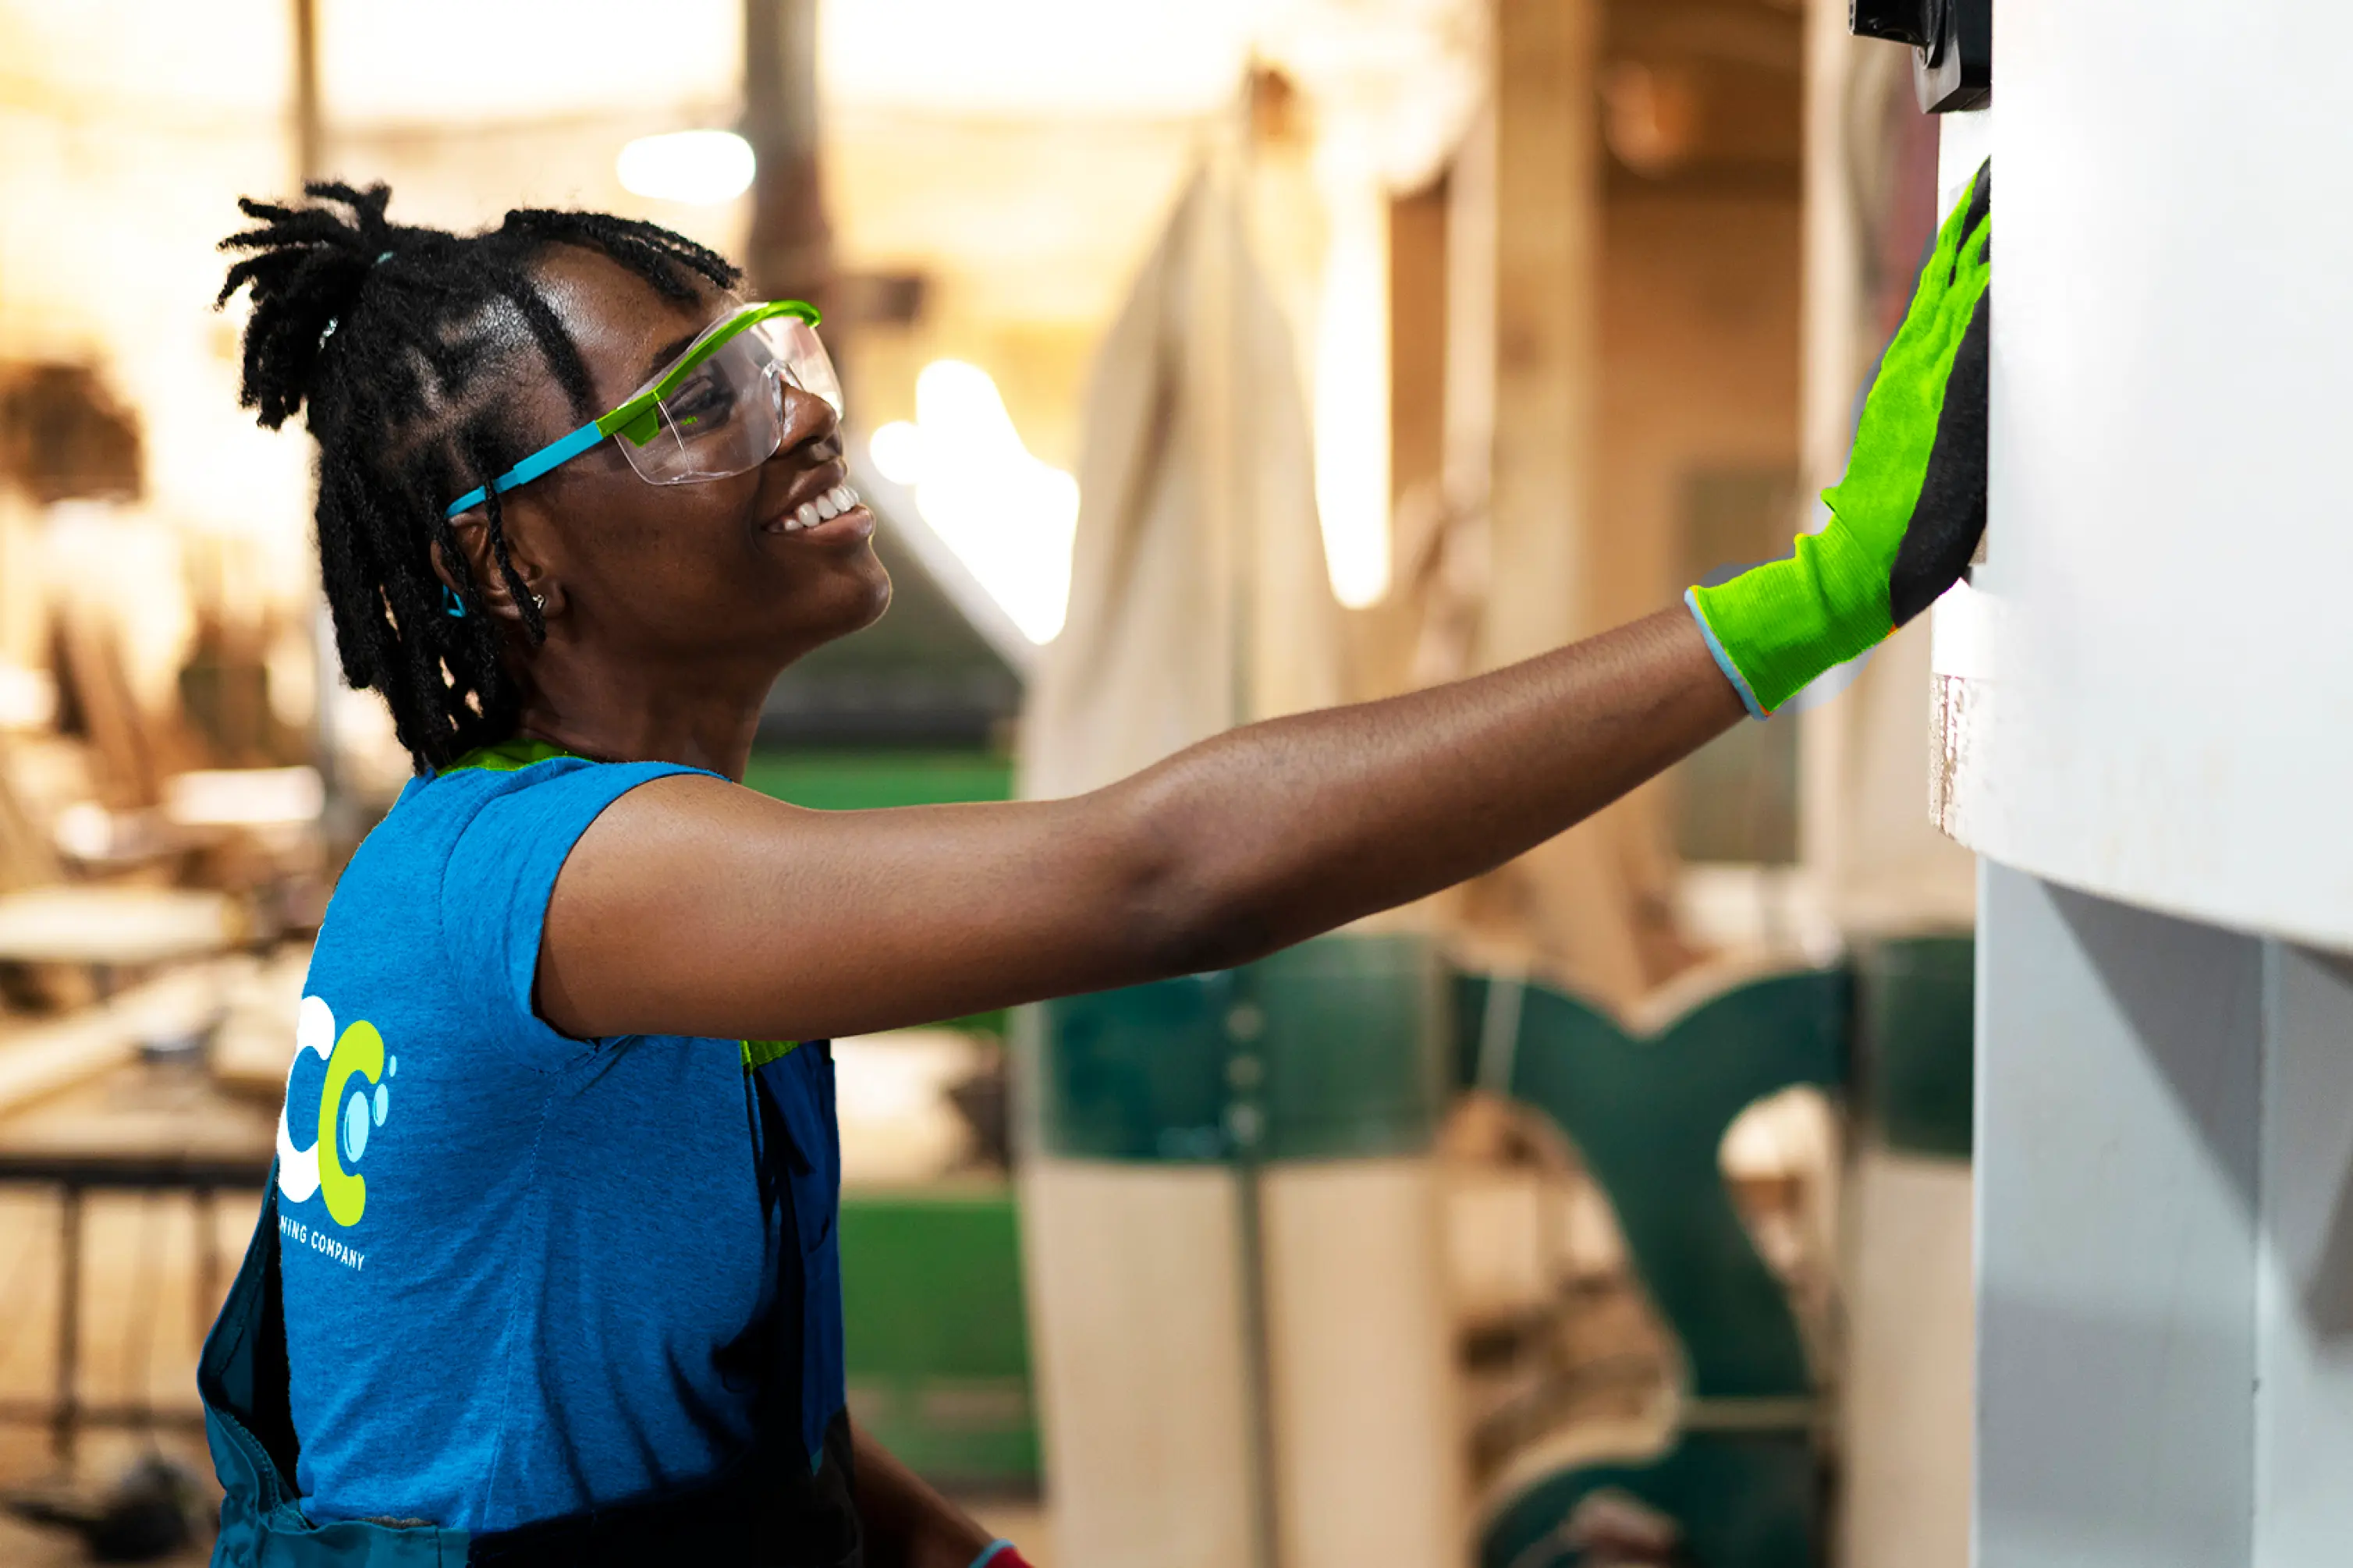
{"x":401,"y":343}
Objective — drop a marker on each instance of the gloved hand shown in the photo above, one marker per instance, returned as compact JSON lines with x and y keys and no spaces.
{"x":1906,"y":518}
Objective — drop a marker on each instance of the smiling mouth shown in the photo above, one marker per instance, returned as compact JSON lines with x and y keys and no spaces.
{"x":839,"y":506}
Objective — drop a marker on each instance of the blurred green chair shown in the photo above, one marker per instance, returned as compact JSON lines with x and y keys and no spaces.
{"x":1648,"y":1113}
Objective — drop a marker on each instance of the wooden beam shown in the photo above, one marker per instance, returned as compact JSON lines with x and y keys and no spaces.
{"x":791,"y":247}
{"x":1564,"y":908}
{"x":1547,"y":333}
{"x":310,"y":136}
{"x":1418,"y":337}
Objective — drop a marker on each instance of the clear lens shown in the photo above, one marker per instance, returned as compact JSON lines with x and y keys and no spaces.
{"x":727,"y":416}
{"x":724,"y":418}
{"x":806,"y":364}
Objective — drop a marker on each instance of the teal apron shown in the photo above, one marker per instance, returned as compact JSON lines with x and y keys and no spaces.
{"x":784,"y":1504}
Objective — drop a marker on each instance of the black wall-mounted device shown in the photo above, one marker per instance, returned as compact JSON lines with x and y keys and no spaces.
{"x":1951,"y":41}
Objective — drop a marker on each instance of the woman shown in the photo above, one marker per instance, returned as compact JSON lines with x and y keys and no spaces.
{"x":549,"y":1272}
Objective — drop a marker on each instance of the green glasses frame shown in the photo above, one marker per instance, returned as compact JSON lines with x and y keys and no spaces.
{"x":639,"y":417}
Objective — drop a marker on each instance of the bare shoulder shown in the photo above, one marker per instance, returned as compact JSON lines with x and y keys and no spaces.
{"x":683,"y":809}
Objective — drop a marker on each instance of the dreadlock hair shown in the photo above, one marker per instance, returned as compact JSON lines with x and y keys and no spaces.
{"x":400,"y":342}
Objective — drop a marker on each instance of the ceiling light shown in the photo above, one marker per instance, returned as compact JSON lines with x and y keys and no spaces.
{"x":1009,"y":517}
{"x":698,"y":167}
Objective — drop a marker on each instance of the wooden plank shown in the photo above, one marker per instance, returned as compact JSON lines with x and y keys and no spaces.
{"x":26,"y":857}
{"x":115,"y":925}
{"x":38,"y":1060}
{"x":90,"y":665}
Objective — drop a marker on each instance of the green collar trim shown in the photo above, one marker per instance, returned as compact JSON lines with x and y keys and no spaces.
{"x":510,"y":755}
{"x":758,"y":1054}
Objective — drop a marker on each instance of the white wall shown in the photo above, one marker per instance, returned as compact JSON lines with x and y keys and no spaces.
{"x":2152,"y":699}
{"x":2144,"y":694}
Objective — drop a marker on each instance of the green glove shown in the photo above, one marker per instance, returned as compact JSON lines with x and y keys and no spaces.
{"x":1906,"y":518}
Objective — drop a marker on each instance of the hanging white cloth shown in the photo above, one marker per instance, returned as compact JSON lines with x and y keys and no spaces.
{"x":1199,"y":595}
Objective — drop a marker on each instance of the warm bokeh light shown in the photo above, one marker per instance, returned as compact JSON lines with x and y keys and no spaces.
{"x":698,"y":167}
{"x":1060,"y":55}
{"x":897,"y":450}
{"x":1008,"y":517}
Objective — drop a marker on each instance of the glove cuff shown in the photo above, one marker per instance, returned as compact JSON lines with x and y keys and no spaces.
{"x":1777,"y":626}
{"x":1722,"y":659}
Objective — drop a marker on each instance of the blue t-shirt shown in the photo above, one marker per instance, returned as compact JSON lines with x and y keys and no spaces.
{"x":522,"y":1274}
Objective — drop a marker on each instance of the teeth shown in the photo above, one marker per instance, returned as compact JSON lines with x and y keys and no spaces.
{"x":826,"y":508}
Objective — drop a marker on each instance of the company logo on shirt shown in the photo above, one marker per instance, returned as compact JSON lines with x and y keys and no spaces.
{"x":355,"y":1099}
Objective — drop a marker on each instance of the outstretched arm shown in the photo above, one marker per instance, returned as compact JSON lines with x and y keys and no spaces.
{"x":696,"y":907}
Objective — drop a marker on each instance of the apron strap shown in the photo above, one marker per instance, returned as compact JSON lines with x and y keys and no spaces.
{"x":242,"y":1373}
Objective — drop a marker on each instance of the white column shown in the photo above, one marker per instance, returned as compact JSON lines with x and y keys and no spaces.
{"x":2119,"y":1054}
{"x":2303,"y":1293}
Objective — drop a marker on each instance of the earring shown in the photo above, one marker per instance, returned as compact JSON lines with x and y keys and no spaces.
{"x":452,"y":606}
{"x":539,"y":603}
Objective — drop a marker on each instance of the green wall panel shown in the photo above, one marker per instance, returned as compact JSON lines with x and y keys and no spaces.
{"x":935,"y":1334}
{"x":1335,"y":1048}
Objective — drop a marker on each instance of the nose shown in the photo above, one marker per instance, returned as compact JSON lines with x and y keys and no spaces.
{"x":812,"y":425}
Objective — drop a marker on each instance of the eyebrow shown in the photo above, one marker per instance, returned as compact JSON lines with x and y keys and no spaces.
{"x":670,"y":351}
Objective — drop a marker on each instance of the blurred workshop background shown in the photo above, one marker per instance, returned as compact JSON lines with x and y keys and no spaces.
{"x":1207,"y":362}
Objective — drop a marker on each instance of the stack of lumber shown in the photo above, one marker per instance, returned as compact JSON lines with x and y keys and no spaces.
{"x":26,"y":858}
{"x":39,"y":1059}
{"x":136,"y":750}
{"x":116,"y":926}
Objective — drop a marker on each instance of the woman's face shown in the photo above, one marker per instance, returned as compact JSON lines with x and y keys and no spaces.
{"x":681,"y":574}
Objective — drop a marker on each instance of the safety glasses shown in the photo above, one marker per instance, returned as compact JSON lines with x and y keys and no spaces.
{"x":717,"y":411}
